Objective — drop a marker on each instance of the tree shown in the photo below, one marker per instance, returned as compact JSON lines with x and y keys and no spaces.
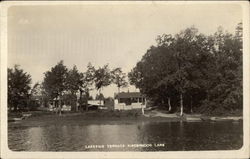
{"x":203,"y":71}
{"x":168,"y":67}
{"x":36,"y":96}
{"x":87,"y":82}
{"x":73,"y":83}
{"x":185,"y":53}
{"x":36,"y":90}
{"x":18,"y":88}
{"x":102,"y":77}
{"x":239,"y":32}
{"x":89,"y":76}
{"x":226,"y":84}
{"x":135,"y":77}
{"x":119,"y":78}
{"x":54,"y":82}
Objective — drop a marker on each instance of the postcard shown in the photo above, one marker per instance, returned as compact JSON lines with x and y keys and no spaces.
{"x":125,"y":79}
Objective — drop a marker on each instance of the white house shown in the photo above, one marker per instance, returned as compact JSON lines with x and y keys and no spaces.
{"x":129,"y":100}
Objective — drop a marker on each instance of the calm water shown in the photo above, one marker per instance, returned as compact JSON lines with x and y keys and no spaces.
{"x":162,"y":136}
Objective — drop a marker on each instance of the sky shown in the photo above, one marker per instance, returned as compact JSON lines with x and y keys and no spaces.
{"x":116,"y":34}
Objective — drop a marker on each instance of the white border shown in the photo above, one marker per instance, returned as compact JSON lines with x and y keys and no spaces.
{"x":242,"y":153}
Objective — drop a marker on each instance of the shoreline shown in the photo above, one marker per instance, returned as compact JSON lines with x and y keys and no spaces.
{"x":35,"y":119}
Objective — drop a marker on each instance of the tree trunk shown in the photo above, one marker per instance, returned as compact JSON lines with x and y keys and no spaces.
{"x":76,"y":102}
{"x":76,"y":105}
{"x":80,"y":99}
{"x":100,"y":95}
{"x":81,"y":94}
{"x":191,"y":105}
{"x":169,"y":105}
{"x":60,"y":105}
{"x":87,"y":98}
{"x":181,"y":104}
{"x":118,"y":89}
{"x":142,"y":109}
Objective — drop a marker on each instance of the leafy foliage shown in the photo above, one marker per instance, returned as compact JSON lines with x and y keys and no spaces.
{"x":73,"y":80}
{"x":102,"y":77}
{"x":18,"y":88}
{"x":73,"y":83}
{"x":119,"y":78}
{"x":54,"y":80}
{"x":192,"y":69}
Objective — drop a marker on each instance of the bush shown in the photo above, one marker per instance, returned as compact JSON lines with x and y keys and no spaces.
{"x":213,"y":108}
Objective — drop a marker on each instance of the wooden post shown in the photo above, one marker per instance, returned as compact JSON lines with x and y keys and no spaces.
{"x":142,"y":109}
{"x":181,"y":103}
{"x":169,"y":105}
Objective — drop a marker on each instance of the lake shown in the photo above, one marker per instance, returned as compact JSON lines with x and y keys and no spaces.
{"x":138,"y":136}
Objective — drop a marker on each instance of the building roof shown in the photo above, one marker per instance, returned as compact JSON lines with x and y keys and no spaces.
{"x":129,"y":95}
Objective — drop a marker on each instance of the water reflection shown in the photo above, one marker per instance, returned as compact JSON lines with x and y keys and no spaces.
{"x":169,"y":135}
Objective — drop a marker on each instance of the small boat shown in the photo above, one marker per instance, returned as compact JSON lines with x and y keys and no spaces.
{"x":192,"y":119}
{"x":18,"y":119}
{"x":26,"y":115}
{"x":219,"y":119}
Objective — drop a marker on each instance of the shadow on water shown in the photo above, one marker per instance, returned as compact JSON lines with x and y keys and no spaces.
{"x":143,"y":136}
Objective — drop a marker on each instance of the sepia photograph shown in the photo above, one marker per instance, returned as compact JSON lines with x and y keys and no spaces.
{"x":125,"y":77}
